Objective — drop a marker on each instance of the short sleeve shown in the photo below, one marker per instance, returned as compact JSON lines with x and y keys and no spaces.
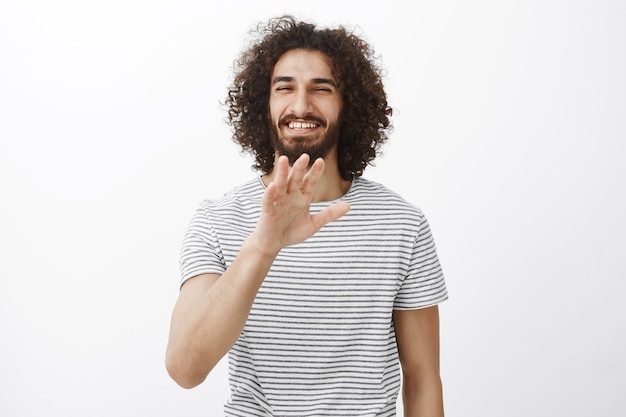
{"x":200,"y":252}
{"x":424,"y":284}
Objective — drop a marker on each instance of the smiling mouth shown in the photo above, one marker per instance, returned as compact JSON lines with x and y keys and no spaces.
{"x":302,"y":125}
{"x":295,"y":123}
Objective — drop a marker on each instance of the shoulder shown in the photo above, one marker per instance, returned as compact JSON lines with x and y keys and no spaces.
{"x":243,"y":195}
{"x":236,"y":211}
{"x":371,"y":195}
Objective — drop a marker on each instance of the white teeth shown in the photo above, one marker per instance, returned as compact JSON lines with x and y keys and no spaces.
{"x":301,"y":125}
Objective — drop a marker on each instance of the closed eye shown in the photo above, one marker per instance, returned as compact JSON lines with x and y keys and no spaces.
{"x":283,"y":88}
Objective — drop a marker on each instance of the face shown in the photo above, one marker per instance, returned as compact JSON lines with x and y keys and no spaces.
{"x":305,"y":104}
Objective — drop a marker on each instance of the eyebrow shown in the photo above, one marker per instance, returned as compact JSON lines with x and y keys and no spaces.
{"x":314,"y":80}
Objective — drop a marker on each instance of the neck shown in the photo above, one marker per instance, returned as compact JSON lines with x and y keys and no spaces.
{"x":331,"y":185}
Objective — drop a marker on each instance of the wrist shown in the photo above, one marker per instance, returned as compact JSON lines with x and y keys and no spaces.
{"x":258,"y":247}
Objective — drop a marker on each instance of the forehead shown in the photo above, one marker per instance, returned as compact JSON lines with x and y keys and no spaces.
{"x":303,"y":64}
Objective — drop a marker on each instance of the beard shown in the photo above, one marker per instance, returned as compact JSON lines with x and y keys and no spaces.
{"x":298,"y":145}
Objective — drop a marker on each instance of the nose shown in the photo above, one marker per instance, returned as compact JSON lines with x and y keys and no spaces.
{"x":301,"y":104}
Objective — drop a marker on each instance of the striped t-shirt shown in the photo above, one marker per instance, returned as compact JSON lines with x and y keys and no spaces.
{"x":319,"y":340}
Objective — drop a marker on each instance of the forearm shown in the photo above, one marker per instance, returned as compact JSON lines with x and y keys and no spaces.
{"x":422,"y":398}
{"x":205,"y":332}
{"x":211,"y":311}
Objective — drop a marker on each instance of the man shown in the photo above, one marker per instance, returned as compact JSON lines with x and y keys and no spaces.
{"x":319,"y":284}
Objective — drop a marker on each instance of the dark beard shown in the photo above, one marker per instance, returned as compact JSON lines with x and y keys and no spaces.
{"x":298,"y":145}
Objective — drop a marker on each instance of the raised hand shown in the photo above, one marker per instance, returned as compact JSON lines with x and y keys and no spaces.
{"x":285,"y":217}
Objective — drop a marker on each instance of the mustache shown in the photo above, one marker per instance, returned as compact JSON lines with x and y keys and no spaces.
{"x":310,"y":118}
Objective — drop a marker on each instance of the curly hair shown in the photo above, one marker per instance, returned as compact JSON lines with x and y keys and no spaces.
{"x":365,"y":117}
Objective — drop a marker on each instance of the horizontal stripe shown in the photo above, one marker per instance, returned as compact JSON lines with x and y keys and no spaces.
{"x":319,"y":339}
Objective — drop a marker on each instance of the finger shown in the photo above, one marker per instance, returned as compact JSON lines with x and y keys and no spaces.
{"x":297,"y":173}
{"x":269,"y":197}
{"x":282,"y":172}
{"x":330,"y":214}
{"x":312,"y":178}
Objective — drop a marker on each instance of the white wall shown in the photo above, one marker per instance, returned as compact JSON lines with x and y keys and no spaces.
{"x":510,"y":129}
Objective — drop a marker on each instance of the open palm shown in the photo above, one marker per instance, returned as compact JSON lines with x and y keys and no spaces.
{"x":285,"y":217}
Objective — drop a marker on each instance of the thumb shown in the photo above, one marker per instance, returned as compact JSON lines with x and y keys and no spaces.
{"x":329,"y":214}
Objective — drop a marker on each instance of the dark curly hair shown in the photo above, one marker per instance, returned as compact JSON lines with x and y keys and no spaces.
{"x":365,"y":117}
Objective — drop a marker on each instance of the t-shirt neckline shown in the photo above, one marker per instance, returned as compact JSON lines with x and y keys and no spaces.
{"x":342,"y":198}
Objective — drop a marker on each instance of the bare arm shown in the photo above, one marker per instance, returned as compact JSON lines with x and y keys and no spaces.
{"x":417,"y":334}
{"x":211,"y":310}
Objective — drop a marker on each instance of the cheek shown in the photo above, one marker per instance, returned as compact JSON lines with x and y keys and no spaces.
{"x":332,"y":108}
{"x":334,"y":113}
{"x":275,"y":108}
